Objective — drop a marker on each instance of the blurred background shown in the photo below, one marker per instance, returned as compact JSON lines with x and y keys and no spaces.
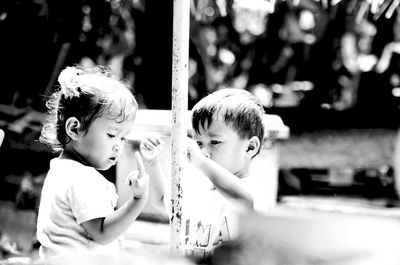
{"x":328,"y":68}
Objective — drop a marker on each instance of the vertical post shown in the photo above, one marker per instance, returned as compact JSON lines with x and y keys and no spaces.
{"x":180,"y":57}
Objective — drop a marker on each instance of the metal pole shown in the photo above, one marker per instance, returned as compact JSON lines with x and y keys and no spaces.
{"x":180,"y":58}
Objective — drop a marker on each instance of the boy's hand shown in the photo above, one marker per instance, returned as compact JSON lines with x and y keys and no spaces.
{"x":151,"y":147}
{"x":139,"y":180}
{"x":195,"y":156}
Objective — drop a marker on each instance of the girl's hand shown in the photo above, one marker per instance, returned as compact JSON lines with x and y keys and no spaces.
{"x":1,"y":136}
{"x":151,"y":147}
{"x":138,"y":180}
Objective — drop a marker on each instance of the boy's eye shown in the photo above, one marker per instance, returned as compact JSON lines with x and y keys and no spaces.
{"x":199,"y":144}
{"x":215,"y":142}
{"x":110,"y":135}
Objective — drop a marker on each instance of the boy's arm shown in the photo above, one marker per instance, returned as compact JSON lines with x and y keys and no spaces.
{"x":226,"y":182}
{"x":107,"y":229}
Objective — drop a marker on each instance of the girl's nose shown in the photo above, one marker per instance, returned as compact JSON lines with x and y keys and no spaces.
{"x":117,"y":148}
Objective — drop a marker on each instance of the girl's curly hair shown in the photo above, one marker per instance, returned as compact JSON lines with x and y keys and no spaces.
{"x":85,"y":94}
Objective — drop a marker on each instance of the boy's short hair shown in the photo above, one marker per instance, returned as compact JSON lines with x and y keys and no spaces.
{"x":239,"y":109}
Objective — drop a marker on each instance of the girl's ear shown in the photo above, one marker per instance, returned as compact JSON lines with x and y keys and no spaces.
{"x":253,"y":146}
{"x":72,"y":126}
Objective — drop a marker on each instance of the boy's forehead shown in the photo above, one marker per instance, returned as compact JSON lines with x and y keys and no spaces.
{"x":215,"y":126}
{"x":218,"y":117}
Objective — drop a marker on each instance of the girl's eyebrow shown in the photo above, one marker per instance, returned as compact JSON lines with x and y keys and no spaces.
{"x":116,"y":128}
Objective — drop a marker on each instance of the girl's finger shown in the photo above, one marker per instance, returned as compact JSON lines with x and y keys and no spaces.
{"x":139,"y":162}
{"x":132,"y":176}
{"x":1,"y":136}
{"x":135,"y":182}
{"x":149,"y":145}
{"x":153,"y":141}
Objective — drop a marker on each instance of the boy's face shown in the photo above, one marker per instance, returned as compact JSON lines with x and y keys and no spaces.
{"x":103,"y":143}
{"x":222,"y":144}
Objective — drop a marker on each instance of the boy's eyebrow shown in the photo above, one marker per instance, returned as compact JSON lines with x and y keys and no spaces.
{"x":213,"y":134}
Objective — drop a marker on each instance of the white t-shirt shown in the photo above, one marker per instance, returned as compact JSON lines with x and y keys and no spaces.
{"x":72,"y":194}
{"x":209,"y":219}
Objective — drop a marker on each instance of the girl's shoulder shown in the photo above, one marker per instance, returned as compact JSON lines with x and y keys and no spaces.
{"x":72,"y":168}
{"x":69,"y":164}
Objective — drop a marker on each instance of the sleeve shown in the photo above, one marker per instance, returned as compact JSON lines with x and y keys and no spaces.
{"x":91,"y":197}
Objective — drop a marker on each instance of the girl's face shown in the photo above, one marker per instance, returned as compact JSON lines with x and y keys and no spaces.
{"x":103,"y":143}
{"x":223,"y":145}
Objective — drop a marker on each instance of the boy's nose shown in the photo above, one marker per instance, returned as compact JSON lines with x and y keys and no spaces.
{"x":205,"y":152}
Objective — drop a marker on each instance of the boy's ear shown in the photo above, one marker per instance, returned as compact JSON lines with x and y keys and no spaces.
{"x":254,"y":145}
{"x":72,"y":126}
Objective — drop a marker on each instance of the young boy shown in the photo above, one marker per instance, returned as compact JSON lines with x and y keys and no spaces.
{"x":227,"y":134}
{"x":228,"y":128}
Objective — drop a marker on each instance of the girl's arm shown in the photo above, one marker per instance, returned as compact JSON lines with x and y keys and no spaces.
{"x":225,"y":182}
{"x":107,"y":229}
{"x":150,"y":148}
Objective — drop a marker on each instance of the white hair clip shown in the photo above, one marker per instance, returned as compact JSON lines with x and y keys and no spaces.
{"x":68,"y":81}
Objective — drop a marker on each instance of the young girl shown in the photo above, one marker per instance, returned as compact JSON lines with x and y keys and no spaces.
{"x":88,"y":120}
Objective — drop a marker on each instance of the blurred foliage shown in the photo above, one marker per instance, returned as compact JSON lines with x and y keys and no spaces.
{"x":289,"y":53}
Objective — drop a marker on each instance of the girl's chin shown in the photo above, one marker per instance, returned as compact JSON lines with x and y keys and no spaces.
{"x":106,"y":164}
{"x":103,"y":168}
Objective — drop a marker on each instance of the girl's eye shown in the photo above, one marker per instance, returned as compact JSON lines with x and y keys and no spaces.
{"x":199,"y":144}
{"x":110,"y":135}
